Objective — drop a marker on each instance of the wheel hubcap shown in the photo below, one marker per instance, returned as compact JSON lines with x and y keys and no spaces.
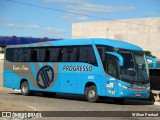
{"x":91,"y":94}
{"x":24,"y":88}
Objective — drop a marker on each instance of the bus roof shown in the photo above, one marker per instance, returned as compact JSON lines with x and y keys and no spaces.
{"x":117,"y":44}
{"x":98,"y":41}
{"x":85,"y":41}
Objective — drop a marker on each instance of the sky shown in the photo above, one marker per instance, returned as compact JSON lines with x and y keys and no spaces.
{"x":54,"y":18}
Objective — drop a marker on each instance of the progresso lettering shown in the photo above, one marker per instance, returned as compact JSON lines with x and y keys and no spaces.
{"x":77,"y":68}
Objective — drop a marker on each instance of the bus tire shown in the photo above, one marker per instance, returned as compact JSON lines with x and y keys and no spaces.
{"x":25,"y":88}
{"x":91,"y":93}
{"x":118,"y":100}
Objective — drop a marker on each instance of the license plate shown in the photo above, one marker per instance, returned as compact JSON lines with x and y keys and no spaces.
{"x":138,"y":95}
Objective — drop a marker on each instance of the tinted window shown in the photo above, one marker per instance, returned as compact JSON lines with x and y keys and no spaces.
{"x":74,"y":55}
{"x":83,"y":54}
{"x":52,"y":54}
{"x":33,"y":55}
{"x":26,"y":54}
{"x":103,"y":49}
{"x":70,"y":54}
{"x":41,"y":54}
{"x":9,"y":54}
{"x":18,"y":54}
{"x":112,"y":66}
{"x":128,"y":59}
{"x":86,"y":54}
{"x":65,"y":55}
{"x":102,"y":53}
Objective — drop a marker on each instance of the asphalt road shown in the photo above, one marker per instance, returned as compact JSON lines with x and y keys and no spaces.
{"x":64,"y":102}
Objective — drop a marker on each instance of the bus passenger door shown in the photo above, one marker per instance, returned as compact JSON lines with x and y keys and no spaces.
{"x":112,"y":66}
{"x":112,"y":69}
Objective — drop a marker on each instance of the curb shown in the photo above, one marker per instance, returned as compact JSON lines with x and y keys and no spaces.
{"x":156,"y":103}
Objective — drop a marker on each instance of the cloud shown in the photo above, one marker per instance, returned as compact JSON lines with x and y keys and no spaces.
{"x":87,"y":9}
{"x":74,"y":18}
{"x":65,"y":1}
{"x":20,"y":26}
{"x":52,"y":32}
{"x":34,"y":28}
{"x":38,"y":30}
{"x":151,"y":13}
{"x":5,"y":19}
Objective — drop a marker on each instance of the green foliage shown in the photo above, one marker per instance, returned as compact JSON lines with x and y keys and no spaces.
{"x":148,"y":53}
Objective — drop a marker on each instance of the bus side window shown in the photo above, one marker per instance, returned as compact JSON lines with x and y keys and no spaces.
{"x":91,"y":56}
{"x":26,"y":52}
{"x":54,"y":54}
{"x":47,"y":55}
{"x":65,"y":55}
{"x":102,"y":54}
{"x":15,"y":54}
{"x":74,"y":55}
{"x":69,"y":54}
{"x":83,"y":54}
{"x":41,"y":54}
{"x":20,"y":55}
{"x":34,"y":55}
{"x":86,"y":54}
{"x":9,"y":54}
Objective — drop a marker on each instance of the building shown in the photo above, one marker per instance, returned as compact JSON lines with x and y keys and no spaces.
{"x":144,"y":32}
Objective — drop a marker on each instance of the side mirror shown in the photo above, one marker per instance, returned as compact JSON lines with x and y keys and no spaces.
{"x":120,"y":58}
{"x":153,"y":60}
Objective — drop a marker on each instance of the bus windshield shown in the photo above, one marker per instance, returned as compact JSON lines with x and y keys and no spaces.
{"x":135,"y":68}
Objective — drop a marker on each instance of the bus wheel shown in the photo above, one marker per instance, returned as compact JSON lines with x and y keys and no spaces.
{"x":25,"y":88}
{"x":91,"y":92}
{"x":118,"y":100}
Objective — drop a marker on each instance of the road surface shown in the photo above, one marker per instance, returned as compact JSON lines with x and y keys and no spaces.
{"x":64,"y":102}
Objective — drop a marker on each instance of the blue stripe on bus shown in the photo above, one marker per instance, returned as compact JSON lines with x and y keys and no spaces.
{"x":50,"y":64}
{"x":27,"y":45}
{"x":40,"y":64}
{"x":33,"y":69}
{"x":45,"y":45}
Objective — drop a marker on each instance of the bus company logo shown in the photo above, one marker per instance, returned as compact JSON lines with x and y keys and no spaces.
{"x":21,"y":68}
{"x":77,"y":68}
{"x":45,"y":77}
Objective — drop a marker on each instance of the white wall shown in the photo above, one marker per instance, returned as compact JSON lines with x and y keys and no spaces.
{"x":146,"y":37}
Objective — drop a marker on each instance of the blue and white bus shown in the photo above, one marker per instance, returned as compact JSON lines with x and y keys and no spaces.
{"x":93,"y":67}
